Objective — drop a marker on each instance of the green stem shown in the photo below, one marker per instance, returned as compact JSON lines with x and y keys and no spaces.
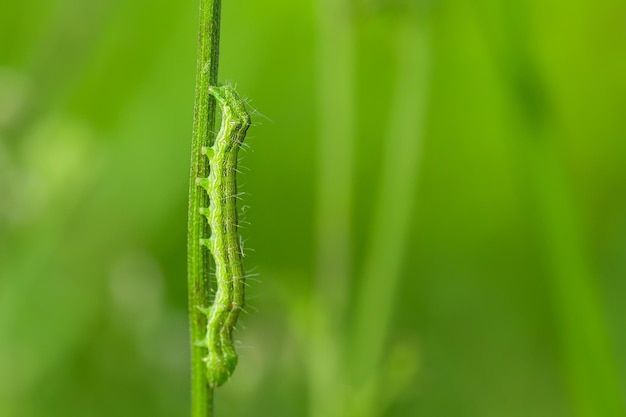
{"x":197,"y":257}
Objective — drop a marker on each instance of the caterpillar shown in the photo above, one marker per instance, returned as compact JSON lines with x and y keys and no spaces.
{"x":224,"y":242}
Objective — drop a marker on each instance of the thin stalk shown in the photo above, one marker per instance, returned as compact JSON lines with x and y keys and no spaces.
{"x":198,"y":258}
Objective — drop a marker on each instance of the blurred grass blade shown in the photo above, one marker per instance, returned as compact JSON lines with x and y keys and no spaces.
{"x":589,"y":359}
{"x":393,"y":213}
{"x":336,"y":122}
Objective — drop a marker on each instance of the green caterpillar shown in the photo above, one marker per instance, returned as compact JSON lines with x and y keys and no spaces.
{"x":224,"y":243}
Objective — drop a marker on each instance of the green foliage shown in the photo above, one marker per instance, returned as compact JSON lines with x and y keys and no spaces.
{"x":487,"y":258}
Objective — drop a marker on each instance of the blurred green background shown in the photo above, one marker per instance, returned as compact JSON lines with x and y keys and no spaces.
{"x":436,"y":196}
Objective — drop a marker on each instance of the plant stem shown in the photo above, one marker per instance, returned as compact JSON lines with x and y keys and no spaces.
{"x":198,"y":257}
